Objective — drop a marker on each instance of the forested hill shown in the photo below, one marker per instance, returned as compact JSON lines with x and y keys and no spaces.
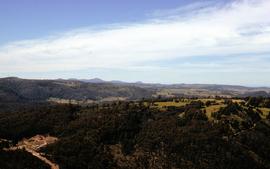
{"x":14,"y":89}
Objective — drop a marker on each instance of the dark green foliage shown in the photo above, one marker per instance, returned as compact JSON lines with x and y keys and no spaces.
{"x":5,"y":144}
{"x":148,"y":137}
{"x":208,"y":103}
{"x":255,"y":101}
{"x":196,"y":104}
{"x":254,"y":116}
{"x":26,"y":122}
{"x":82,"y":150}
{"x":190,"y":115}
{"x":232,"y":108}
{"x":20,"y":160}
{"x":266,"y":103}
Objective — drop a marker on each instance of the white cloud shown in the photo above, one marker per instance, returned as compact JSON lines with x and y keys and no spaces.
{"x":205,"y":30}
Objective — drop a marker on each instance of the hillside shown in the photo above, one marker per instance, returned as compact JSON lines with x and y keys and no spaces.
{"x":15,"y":89}
{"x":89,"y":91}
{"x":156,"y":134}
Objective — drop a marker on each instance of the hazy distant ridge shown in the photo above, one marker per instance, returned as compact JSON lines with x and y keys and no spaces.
{"x":16,"y":89}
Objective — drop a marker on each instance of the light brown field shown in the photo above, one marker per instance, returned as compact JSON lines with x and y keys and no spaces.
{"x":212,"y":109}
{"x":171,"y":103}
{"x":265,"y":112}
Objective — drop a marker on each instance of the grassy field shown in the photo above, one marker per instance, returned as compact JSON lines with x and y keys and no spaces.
{"x":171,"y":103}
{"x":209,"y":110}
{"x":212,"y":109}
{"x":265,"y":112}
{"x":184,"y":102}
{"x":238,"y":101}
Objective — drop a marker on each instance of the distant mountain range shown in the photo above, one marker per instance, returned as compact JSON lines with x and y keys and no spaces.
{"x":16,"y":89}
{"x":98,"y":80}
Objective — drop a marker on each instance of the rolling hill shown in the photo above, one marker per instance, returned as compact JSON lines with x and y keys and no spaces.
{"x":14,"y":89}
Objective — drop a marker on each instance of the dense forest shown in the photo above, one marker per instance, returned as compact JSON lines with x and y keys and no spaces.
{"x":20,"y":160}
{"x":146,"y":134}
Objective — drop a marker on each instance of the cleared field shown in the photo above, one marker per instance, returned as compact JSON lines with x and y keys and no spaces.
{"x":265,"y":112}
{"x":206,"y":100}
{"x":171,"y":103}
{"x":199,"y":92}
{"x":238,"y":101}
{"x":212,"y":109}
{"x":219,"y":101}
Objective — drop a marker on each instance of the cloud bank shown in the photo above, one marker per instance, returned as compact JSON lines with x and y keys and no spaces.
{"x":230,"y":34}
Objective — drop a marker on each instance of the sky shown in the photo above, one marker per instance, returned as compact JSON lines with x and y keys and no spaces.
{"x":172,"y":41}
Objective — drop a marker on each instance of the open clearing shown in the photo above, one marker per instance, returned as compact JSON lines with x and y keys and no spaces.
{"x":170,"y":103}
{"x":212,"y":109}
{"x":265,"y":112}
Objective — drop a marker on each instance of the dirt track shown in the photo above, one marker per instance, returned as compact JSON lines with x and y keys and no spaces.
{"x":32,"y":146}
{"x":38,"y":155}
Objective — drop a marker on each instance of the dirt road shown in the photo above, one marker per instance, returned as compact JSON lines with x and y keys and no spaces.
{"x":33,"y":144}
{"x":38,"y":155}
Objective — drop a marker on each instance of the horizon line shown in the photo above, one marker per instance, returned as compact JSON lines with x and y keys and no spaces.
{"x":133,"y":82}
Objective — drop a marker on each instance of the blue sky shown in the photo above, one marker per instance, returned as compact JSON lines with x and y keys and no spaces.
{"x":172,"y":41}
{"x":24,"y":19}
